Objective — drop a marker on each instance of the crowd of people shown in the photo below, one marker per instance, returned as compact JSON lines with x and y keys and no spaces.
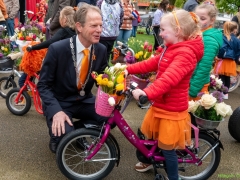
{"x":81,"y":41}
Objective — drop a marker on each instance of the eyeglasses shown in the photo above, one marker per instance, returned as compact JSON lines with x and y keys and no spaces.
{"x":176,"y":19}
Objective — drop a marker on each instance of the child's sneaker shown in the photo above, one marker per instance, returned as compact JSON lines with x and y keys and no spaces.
{"x":225,"y":96}
{"x":142,"y":167}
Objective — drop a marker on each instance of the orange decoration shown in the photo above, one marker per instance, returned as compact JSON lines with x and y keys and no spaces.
{"x":32,"y":61}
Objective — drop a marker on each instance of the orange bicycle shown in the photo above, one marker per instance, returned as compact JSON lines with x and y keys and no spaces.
{"x":18,"y":100}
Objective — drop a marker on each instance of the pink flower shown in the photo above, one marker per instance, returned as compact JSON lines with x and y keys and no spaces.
{"x":145,"y":45}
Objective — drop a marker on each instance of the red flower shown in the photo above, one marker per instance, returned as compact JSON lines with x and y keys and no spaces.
{"x":21,"y":38}
{"x":150,"y":48}
{"x":145,"y":45}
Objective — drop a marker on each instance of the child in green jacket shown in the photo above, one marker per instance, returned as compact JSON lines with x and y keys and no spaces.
{"x":212,"y":39}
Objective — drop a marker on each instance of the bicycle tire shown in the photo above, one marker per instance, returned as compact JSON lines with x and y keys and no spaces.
{"x":214,"y":161}
{"x":67,"y":148}
{"x":234,"y":124}
{"x":11,"y":84}
{"x":11,"y":104}
{"x":235,"y":86}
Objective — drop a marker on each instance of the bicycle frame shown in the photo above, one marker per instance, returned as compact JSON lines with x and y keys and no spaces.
{"x":126,"y":130}
{"x":35,"y":93}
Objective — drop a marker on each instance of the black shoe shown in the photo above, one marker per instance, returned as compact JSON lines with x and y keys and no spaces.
{"x":53,"y":147}
{"x":82,"y":143}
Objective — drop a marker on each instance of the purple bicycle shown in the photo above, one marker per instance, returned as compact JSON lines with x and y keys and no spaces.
{"x":96,"y":155}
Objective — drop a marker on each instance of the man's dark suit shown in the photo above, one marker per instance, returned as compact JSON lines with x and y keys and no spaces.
{"x":58,"y":86}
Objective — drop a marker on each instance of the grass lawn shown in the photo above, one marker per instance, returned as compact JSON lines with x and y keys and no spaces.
{"x":144,"y":37}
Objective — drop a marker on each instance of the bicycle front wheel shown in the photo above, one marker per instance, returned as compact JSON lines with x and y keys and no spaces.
{"x":6,"y":85}
{"x":209,"y":164}
{"x":71,"y":158}
{"x":24,"y":104}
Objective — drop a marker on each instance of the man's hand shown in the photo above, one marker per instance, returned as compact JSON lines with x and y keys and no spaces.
{"x":138,"y":92}
{"x":58,"y":125}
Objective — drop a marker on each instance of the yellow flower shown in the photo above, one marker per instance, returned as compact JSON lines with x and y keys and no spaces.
{"x":110,"y":84}
{"x":145,"y":55}
{"x":119,"y":87}
{"x":137,"y":56}
{"x":120,"y":79}
{"x":99,"y":80}
{"x":140,"y":53}
{"x":5,"y":49}
{"x":105,"y":81}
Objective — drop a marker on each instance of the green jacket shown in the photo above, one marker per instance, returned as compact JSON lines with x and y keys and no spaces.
{"x":212,"y":39}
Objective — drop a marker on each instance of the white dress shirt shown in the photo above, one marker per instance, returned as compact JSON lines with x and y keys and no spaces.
{"x":80,"y":55}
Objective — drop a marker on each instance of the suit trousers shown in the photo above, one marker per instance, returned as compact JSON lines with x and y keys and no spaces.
{"x":78,"y":110}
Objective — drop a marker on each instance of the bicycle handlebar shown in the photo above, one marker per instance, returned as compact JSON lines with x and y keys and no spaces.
{"x":143,"y":99}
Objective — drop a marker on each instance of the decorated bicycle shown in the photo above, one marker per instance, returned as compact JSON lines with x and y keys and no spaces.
{"x":96,"y":157}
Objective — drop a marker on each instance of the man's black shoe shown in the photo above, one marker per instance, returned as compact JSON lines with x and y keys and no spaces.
{"x":53,"y":147}
{"x":82,"y":143}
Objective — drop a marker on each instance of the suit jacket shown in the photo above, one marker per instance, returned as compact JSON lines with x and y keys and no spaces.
{"x":57,"y":85}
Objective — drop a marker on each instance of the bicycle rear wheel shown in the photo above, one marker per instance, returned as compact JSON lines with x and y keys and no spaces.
{"x":234,"y":83}
{"x":209,"y":164}
{"x":71,"y":158}
{"x":6,"y":85}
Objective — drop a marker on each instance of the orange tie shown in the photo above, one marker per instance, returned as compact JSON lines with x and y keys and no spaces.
{"x":83,"y":68}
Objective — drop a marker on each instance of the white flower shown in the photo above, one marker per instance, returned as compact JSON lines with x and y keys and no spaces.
{"x":218,"y":83}
{"x":223,"y":109}
{"x":22,"y":28}
{"x":207,"y":101}
{"x":192,"y":106}
{"x":13,"y":38}
{"x":16,"y":30}
{"x":123,"y":67}
{"x":213,"y":76}
{"x":117,"y":66}
{"x":111,"y":101}
{"x":2,"y":48}
{"x":30,"y":35}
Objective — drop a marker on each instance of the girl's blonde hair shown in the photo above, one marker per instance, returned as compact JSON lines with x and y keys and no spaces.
{"x":68,"y":13}
{"x":228,"y":28}
{"x":211,"y":9}
{"x":187,"y":22}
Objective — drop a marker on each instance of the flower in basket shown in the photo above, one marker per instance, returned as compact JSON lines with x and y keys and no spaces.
{"x":210,"y":107}
{"x":111,"y":81}
{"x":30,"y":31}
{"x":5,"y":46}
{"x":217,"y":84}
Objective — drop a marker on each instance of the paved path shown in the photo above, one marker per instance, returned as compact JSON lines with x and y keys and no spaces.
{"x":24,"y":153}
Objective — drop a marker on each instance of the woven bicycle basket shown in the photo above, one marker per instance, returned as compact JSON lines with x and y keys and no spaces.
{"x":102,"y":106}
{"x":142,"y":83}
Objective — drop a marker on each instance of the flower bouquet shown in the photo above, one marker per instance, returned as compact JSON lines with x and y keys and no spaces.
{"x":143,"y":51}
{"x":216,"y":84}
{"x":30,"y":31}
{"x":111,"y":83}
{"x":210,"y":110}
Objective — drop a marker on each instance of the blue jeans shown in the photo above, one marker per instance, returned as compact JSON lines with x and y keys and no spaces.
{"x":124,"y":35}
{"x":22,"y":80}
{"x":10,"y":27}
{"x":134,"y":30}
{"x":171,"y":163}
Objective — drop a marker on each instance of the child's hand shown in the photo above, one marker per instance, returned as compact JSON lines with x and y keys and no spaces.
{"x":138,"y":92}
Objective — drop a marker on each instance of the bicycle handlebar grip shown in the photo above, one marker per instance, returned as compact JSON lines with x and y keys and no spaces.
{"x":122,"y":44}
{"x":143,"y":99}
